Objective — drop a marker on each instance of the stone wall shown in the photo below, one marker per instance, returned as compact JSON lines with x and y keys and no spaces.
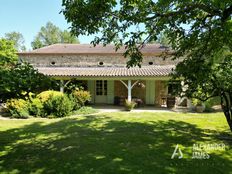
{"x":88,"y":60}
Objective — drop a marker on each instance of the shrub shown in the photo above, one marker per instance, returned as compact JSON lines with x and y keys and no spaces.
{"x":81,"y":96}
{"x":75,"y":103}
{"x":129,"y":105}
{"x":35,"y":107}
{"x":59,"y":106}
{"x":45,"y":95}
{"x":196,"y":102}
{"x":18,"y":108}
{"x":208,"y":108}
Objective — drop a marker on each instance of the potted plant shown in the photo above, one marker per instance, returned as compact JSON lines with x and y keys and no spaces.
{"x":129,"y":105}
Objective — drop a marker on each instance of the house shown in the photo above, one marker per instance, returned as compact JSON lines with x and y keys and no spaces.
{"x":104,"y":71}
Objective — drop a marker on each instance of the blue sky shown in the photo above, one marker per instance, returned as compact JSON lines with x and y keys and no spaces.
{"x":28,"y":16}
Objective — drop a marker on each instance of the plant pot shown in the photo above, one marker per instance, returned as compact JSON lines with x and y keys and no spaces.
{"x":200,"y":108}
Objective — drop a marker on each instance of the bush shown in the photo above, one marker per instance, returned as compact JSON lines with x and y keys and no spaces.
{"x":58,"y":106}
{"x":81,"y":96}
{"x":45,"y":95}
{"x":129,"y":105}
{"x":196,"y":102}
{"x":18,"y":108}
{"x":76,"y":105}
{"x":35,"y":107}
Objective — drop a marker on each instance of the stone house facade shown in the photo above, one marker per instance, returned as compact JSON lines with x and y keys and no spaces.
{"x":105,"y":73}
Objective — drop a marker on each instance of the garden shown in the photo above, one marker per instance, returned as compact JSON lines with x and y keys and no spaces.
{"x":49,"y":104}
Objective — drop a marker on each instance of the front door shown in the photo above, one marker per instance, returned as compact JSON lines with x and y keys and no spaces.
{"x":101,"y":91}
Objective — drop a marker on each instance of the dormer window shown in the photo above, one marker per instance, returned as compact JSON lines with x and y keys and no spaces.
{"x":53,"y":63}
{"x":100,"y":63}
{"x":150,"y":63}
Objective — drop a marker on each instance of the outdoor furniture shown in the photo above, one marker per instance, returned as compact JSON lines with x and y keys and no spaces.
{"x":138,"y":101}
{"x":120,"y":101}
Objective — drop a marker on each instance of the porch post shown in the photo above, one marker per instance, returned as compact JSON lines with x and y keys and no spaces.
{"x":62,"y":86}
{"x":129,"y":90}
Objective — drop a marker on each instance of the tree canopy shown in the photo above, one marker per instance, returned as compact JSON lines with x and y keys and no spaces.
{"x":51,"y":34}
{"x":18,"y":79}
{"x":18,"y":40}
{"x":199,"y":31}
{"x":8,"y":54}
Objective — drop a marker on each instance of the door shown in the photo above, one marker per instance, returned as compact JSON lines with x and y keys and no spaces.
{"x":101,"y":91}
{"x":150,"y":92}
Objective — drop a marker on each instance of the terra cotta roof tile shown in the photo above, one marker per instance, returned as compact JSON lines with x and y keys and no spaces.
{"x":146,"y":71}
{"x":90,"y":49}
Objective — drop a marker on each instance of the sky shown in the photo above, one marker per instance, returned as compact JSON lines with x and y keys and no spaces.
{"x":28,"y":16}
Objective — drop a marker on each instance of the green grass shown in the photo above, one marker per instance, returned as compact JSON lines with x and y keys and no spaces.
{"x":114,"y":143}
{"x":85,"y":110}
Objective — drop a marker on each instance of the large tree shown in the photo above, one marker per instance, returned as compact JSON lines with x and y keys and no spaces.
{"x":51,"y":34}
{"x":18,"y":40}
{"x":22,"y":80}
{"x":199,"y":31}
{"x":17,"y":79}
{"x":8,"y":56}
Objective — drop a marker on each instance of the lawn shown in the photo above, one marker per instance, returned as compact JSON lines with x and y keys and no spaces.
{"x":115,"y":143}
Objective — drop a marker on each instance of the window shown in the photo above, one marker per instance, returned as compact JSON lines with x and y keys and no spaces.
{"x":100,"y":63}
{"x":101,"y":87}
{"x":53,"y":63}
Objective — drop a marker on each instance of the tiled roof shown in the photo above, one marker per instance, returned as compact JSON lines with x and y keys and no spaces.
{"x":146,"y":71}
{"x":90,"y":49}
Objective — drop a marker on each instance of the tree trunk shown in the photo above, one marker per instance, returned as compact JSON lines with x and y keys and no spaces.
{"x":226,"y":104}
{"x":228,"y":118}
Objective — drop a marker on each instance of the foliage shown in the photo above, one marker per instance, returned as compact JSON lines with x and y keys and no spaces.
{"x":74,"y":85}
{"x":81,"y":96}
{"x":197,"y":102}
{"x":49,"y":104}
{"x":35,"y":107}
{"x":45,"y":95}
{"x":17,"y":108}
{"x":76,"y":104}
{"x":8,"y":56}
{"x":213,"y":101}
{"x":85,"y":110}
{"x":129,"y":105}
{"x":58,"y":106}
{"x":19,"y":81}
{"x":198,"y":31}
{"x":18,"y":40}
{"x":51,"y":34}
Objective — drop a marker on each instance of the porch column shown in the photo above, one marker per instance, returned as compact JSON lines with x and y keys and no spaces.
{"x":129,"y":90}
{"x":62,"y":86}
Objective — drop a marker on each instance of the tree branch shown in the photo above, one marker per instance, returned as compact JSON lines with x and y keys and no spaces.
{"x":226,"y":14}
{"x":187,"y":8}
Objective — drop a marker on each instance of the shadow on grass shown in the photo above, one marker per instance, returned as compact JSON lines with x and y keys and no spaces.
{"x":100,"y":144}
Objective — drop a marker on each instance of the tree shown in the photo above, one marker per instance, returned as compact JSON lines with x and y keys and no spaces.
{"x":8,"y":56}
{"x":51,"y":34}
{"x":18,"y":40}
{"x":17,"y":79}
{"x":199,"y":31}
{"x":22,"y":80}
